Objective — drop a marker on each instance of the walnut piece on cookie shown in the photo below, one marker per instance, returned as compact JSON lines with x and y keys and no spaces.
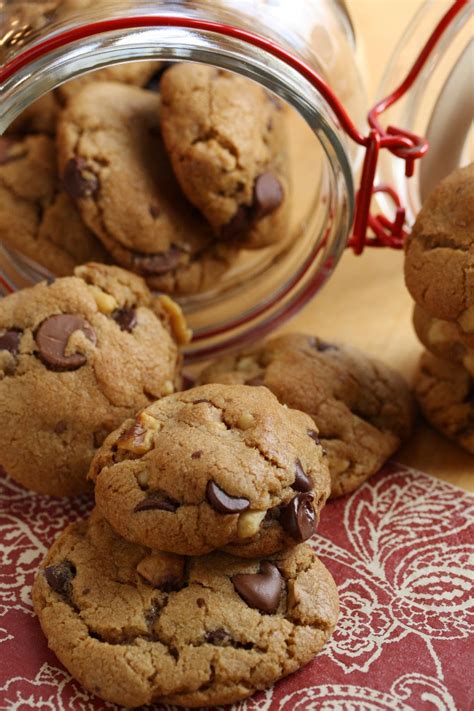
{"x":77,"y":357}
{"x":226,"y":139}
{"x":439,"y":253}
{"x":213,"y":467}
{"x":445,"y":339}
{"x":136,"y":626}
{"x":361,"y":408}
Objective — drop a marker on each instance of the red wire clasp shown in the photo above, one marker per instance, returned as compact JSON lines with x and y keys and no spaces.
{"x":402,"y":144}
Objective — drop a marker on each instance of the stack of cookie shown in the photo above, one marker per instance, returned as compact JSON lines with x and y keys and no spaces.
{"x":137,"y":601}
{"x":439,"y":273}
{"x":130,"y":165}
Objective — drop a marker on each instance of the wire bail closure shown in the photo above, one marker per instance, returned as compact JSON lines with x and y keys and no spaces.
{"x":401,"y":143}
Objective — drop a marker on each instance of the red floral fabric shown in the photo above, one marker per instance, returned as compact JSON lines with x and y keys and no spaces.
{"x":401,"y":551}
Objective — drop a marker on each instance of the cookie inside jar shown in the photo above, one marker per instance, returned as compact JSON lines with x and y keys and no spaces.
{"x":201,"y":180}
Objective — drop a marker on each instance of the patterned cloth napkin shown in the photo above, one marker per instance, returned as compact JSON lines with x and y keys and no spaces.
{"x":400,"y":549}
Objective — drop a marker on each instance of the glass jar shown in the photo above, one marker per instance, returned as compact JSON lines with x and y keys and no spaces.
{"x":44,"y":44}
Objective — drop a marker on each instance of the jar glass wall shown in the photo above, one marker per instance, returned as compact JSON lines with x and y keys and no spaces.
{"x":439,"y":106}
{"x":262,"y":287}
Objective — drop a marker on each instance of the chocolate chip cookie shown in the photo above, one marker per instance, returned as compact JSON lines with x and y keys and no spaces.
{"x":37,"y":218}
{"x":445,"y":339}
{"x":41,"y":116}
{"x":439,"y":261}
{"x":213,"y":467}
{"x":77,"y":357}
{"x":362,"y":409}
{"x":226,"y":138}
{"x":137,"y":626}
{"x":115,"y":168}
{"x":445,"y":394}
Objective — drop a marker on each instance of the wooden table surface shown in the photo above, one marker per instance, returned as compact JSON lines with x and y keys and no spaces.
{"x":365,"y":302}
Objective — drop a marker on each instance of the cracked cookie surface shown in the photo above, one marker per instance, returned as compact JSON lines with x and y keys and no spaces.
{"x":445,"y":394}
{"x":226,"y":139}
{"x":37,"y":218}
{"x":213,"y":467}
{"x":114,"y":166}
{"x":137,"y":626}
{"x":439,"y":259}
{"x":445,"y":339}
{"x":77,"y":357}
{"x":362,"y":408}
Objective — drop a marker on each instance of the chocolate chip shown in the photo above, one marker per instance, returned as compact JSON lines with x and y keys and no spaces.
{"x":314,"y":436}
{"x":260,"y":590}
{"x":59,"y":577}
{"x":219,"y":637}
{"x":52,"y":338}
{"x":200,"y":602}
{"x":126,"y":319}
{"x":297,"y":518}
{"x":256,"y":382}
{"x":196,"y":455}
{"x":267,"y":195}
{"x":158,"y":262}
{"x":154,"y":211}
{"x":238,"y":225}
{"x":10,"y":341}
{"x":10,"y":150}
{"x":224,"y":503}
{"x":302,"y":481}
{"x":79,"y":181}
{"x":156,"y":502}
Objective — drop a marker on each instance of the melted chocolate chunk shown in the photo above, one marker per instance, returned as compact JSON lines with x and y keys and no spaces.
{"x":302,"y":480}
{"x":158,"y":262}
{"x":52,"y":338}
{"x":78,"y":180}
{"x":60,"y":576}
{"x":224,"y":503}
{"x":156,"y":502}
{"x":267,"y":195}
{"x":260,"y":590}
{"x":126,"y":319}
{"x":10,"y":341}
{"x":196,"y":455}
{"x":297,"y":518}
